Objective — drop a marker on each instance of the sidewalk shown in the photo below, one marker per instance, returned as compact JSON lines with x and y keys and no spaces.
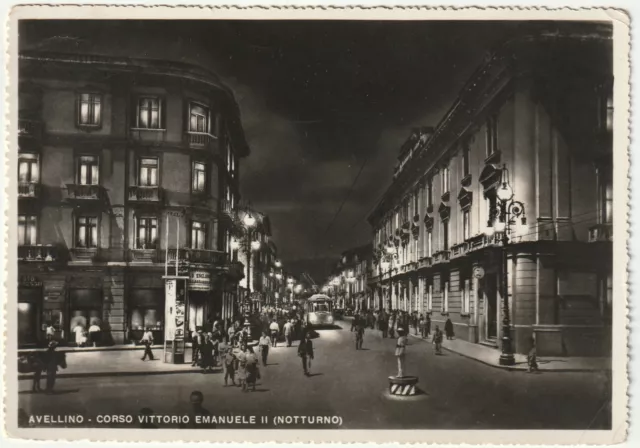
{"x":110,"y":348}
{"x":490,"y":356}
{"x":108,"y":363}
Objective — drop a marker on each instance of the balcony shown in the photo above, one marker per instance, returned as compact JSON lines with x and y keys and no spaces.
{"x":31,"y":129}
{"x":200,"y":139}
{"x":441,"y":256}
{"x":199,"y":256}
{"x":78,"y":192}
{"x":226,"y":209}
{"x":425,"y":262}
{"x":84,"y":254}
{"x":475,"y":242}
{"x":459,"y":250}
{"x":38,"y":253}
{"x":143,"y":255}
{"x":28,"y":190}
{"x":145,"y":194}
{"x":601,"y":233}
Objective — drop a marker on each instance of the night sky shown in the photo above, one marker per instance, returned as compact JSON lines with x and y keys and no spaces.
{"x":325,"y":107}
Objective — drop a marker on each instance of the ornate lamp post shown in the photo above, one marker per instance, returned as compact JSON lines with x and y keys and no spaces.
{"x":508,"y":212}
{"x":249,"y":223}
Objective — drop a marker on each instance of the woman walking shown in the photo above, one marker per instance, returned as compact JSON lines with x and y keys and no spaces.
{"x":252,"y":370}
{"x":207,"y":353}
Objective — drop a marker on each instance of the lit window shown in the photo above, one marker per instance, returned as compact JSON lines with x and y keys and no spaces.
{"x":89,"y":109}
{"x":199,"y":118}
{"x":147,"y":233}
{"x":605,"y":195}
{"x":199,"y":177}
{"x":466,"y":294}
{"x":27,"y":230}
{"x":444,"y":177}
{"x":28,"y":168}
{"x":466,"y":168}
{"x":87,"y":231}
{"x":445,"y":296}
{"x":492,"y":135}
{"x":88,"y":170}
{"x":466,"y":225}
{"x":198,"y":235}
{"x":149,"y":113}
{"x":148,"y":175}
{"x":445,"y":234}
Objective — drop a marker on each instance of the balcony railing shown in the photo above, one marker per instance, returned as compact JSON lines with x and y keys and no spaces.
{"x":84,"y":192}
{"x":28,"y":190}
{"x":29,"y":128}
{"x":84,"y":253}
{"x":144,"y":194}
{"x":37,"y":253}
{"x":143,"y":255}
{"x":225,"y":207}
{"x":441,"y":257}
{"x":601,"y":232}
{"x":200,"y":139}
{"x":201,"y":256}
{"x":425,"y":262}
{"x":459,"y":250}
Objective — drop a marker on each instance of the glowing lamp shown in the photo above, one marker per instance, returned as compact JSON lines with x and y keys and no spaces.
{"x":235,"y":245}
{"x":490,"y":230}
{"x":505,"y":192}
{"x":255,"y":245}
{"x":249,"y":220}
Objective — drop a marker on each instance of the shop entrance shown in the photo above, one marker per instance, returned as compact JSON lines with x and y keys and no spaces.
{"x":29,"y":300}
{"x":491,"y":312}
{"x":197,"y":309}
{"x":86,"y":310}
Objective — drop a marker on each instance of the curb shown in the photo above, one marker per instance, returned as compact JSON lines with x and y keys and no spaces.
{"x":121,"y":348}
{"x":517,"y":368}
{"x":29,"y":376}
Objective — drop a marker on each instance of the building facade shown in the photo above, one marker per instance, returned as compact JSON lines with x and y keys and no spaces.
{"x":128,"y":171}
{"x":349,"y":281}
{"x":535,"y":116}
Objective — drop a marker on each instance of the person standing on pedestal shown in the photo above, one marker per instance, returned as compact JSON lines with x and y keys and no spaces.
{"x":401,"y":344}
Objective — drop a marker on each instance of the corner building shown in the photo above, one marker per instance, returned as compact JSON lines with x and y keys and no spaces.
{"x":541,"y":107}
{"x":124,"y":164}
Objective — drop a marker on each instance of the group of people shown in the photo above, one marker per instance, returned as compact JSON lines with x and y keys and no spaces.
{"x":389,"y":322}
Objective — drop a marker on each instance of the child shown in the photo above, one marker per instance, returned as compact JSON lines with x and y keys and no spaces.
{"x":532,"y":358}
{"x":229,"y":367}
{"x":437,"y":340}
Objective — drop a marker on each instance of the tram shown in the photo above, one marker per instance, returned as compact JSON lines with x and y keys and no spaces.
{"x":319,"y":310}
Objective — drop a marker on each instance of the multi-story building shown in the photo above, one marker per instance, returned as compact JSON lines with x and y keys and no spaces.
{"x":349,"y":278}
{"x":128,"y":170}
{"x":535,"y":117}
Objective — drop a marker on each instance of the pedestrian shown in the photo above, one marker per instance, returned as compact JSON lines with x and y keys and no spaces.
{"x":356,"y":317}
{"x":196,"y":341}
{"x":415,"y":322}
{"x":252,"y":370}
{"x":241,"y":369}
{"x":532,"y":357}
{"x":51,"y":366}
{"x":437,"y":340}
{"x":422,"y":325}
{"x":147,"y":341}
{"x":401,"y":344}
{"x":288,"y":332}
{"x":448,"y":329}
{"x":428,"y":324}
{"x":359,"y":334}
{"x":196,"y":399}
{"x":305,"y":352}
{"x":80,"y":332}
{"x":231,"y":333}
{"x":229,"y":365}
{"x":264,"y":343}
{"x":94,"y":333}
{"x":392,"y":322}
{"x":275,"y":331}
{"x":51,"y":333}
{"x":207,"y":350}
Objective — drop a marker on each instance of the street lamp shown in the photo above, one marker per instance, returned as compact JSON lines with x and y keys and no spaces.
{"x":509,"y":211}
{"x":249,"y":222}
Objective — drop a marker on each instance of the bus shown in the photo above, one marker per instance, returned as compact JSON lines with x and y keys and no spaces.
{"x":319,"y":311}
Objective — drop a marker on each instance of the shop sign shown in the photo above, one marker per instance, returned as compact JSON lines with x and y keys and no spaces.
{"x":478,"y":272}
{"x":29,"y":281}
{"x":200,"y":281}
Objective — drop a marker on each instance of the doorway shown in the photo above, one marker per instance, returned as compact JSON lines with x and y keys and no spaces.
{"x":491,"y":312}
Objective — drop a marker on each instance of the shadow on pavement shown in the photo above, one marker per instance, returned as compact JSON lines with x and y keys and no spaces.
{"x":315,"y":374}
